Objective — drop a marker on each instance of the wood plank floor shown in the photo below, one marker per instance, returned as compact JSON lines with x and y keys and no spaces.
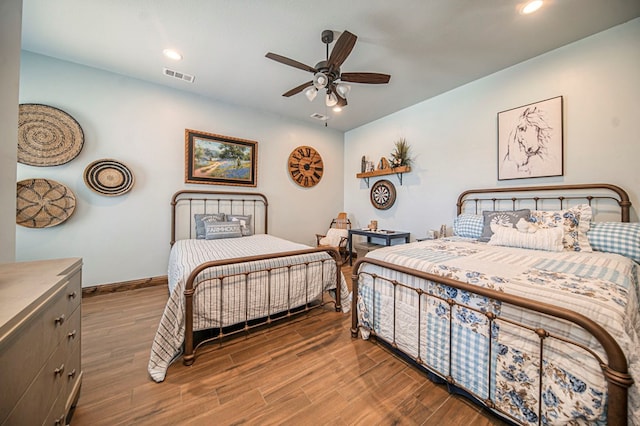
{"x":307,"y":371}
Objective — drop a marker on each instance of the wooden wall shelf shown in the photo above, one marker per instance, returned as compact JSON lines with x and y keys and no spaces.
{"x":398,"y":171}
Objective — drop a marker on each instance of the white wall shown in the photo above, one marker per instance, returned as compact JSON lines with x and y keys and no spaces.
{"x":142,"y":125}
{"x":454,"y":136}
{"x":10,"y":35}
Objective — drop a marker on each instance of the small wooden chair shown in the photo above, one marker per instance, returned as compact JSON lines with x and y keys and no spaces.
{"x":336,"y":235}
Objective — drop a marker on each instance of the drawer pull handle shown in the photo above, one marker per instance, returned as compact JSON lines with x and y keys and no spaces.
{"x":58,"y":371}
{"x":59,"y":320}
{"x":72,"y":374}
{"x":60,"y":421}
{"x":71,"y":335}
{"x":72,"y":295}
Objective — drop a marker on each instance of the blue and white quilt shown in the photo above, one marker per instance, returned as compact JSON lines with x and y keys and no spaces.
{"x":601,"y":286}
{"x":245,"y":295}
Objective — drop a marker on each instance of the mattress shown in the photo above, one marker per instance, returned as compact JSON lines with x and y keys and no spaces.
{"x":244,"y":293}
{"x":602,"y":286}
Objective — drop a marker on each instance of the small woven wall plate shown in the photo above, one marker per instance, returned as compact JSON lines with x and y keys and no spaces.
{"x":47,"y":136}
{"x":108,"y":177}
{"x":43,"y":203}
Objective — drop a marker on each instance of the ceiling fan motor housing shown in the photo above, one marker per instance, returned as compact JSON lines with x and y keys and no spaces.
{"x":327,"y":36}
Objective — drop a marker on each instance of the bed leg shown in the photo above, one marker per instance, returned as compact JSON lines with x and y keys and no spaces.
{"x":188,"y":359}
{"x":354,"y":300}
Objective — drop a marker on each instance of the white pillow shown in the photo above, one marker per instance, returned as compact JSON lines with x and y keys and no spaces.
{"x":333,"y":237}
{"x":549,"y":239}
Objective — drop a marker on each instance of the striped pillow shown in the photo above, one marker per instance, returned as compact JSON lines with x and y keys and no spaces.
{"x":548,"y":239}
{"x":616,"y":237}
{"x":468,"y":225}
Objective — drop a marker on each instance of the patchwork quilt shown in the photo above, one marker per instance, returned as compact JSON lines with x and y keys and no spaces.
{"x":245,"y":293}
{"x":601,"y":286}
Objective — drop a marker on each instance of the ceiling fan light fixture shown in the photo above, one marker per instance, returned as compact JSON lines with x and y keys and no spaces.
{"x":311,"y":93}
{"x":343,"y":89}
{"x":331,"y":100}
{"x":320,"y":80}
{"x":337,"y":108}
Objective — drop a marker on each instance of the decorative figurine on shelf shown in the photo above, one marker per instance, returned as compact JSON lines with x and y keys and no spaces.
{"x":383,"y":164}
{"x":363,"y":164}
{"x":401,"y":154}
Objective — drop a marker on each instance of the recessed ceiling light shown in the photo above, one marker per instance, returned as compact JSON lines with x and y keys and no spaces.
{"x":531,"y":7}
{"x":172,"y":54}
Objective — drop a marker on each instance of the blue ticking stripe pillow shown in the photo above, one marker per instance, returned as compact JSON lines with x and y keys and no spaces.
{"x":616,"y":237}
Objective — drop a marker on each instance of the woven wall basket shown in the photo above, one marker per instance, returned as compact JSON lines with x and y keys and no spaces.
{"x":108,"y":177}
{"x":47,"y":136}
{"x":43,"y":203}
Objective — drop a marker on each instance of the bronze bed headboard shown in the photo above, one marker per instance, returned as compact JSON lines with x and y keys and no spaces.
{"x":189,"y":202}
{"x":589,"y":193}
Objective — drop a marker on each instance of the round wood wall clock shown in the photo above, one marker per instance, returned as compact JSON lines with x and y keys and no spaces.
{"x":383,"y":194}
{"x":305,"y":166}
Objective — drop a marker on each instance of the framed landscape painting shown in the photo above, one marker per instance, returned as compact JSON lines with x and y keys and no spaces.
{"x":219,"y":160}
{"x":530,"y":141}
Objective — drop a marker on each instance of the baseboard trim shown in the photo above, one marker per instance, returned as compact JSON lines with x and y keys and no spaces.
{"x":124,"y":286}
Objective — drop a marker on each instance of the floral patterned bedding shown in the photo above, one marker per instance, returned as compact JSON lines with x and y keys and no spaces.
{"x":602,"y":286}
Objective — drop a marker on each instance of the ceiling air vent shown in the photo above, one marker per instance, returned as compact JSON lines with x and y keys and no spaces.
{"x":319,"y":116}
{"x":179,"y":75}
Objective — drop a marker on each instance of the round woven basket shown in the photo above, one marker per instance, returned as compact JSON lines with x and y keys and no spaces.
{"x":47,"y":136}
{"x":43,"y":203}
{"x":108,"y":177}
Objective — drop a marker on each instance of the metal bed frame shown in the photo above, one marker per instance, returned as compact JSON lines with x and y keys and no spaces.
{"x":244,"y":203}
{"x":614,"y":368}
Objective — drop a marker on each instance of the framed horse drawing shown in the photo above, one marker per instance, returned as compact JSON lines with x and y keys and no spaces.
{"x":530,"y":141}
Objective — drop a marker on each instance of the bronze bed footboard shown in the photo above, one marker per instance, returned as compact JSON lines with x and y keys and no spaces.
{"x":247,"y":324}
{"x":614,"y":369}
{"x":253,"y":207}
{"x":394,"y":284}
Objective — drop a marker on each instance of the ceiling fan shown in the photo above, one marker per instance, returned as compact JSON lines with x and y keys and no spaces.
{"x":327,"y":75}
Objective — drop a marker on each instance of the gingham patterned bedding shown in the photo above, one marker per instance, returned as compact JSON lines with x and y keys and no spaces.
{"x":187,"y":254}
{"x":602,"y":286}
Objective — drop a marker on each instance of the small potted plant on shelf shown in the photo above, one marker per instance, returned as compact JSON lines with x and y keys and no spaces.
{"x":401,"y":154}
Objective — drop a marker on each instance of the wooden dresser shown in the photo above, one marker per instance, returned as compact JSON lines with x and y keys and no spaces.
{"x":40,"y":373}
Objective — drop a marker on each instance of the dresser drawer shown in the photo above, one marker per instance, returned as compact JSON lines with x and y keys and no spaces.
{"x":74,"y":292}
{"x":73,"y":376}
{"x":25,"y":351}
{"x":43,"y":392}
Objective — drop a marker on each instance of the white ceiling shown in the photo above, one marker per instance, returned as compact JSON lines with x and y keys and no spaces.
{"x":428,"y":46}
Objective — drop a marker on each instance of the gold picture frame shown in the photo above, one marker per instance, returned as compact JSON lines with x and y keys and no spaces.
{"x":220,"y":160}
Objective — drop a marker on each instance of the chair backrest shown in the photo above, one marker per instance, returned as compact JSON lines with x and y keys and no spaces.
{"x":341,"y":222}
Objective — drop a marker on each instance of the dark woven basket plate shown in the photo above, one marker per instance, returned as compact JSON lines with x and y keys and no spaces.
{"x":47,"y":136}
{"x":108,"y":177}
{"x":43,"y":203}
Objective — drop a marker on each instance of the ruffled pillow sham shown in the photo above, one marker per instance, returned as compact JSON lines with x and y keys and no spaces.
{"x":574,"y":221}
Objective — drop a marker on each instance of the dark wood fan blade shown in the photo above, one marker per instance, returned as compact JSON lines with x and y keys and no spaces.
{"x":290,"y":62}
{"x":365,"y":77}
{"x":298,"y":89}
{"x":341,"y":50}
